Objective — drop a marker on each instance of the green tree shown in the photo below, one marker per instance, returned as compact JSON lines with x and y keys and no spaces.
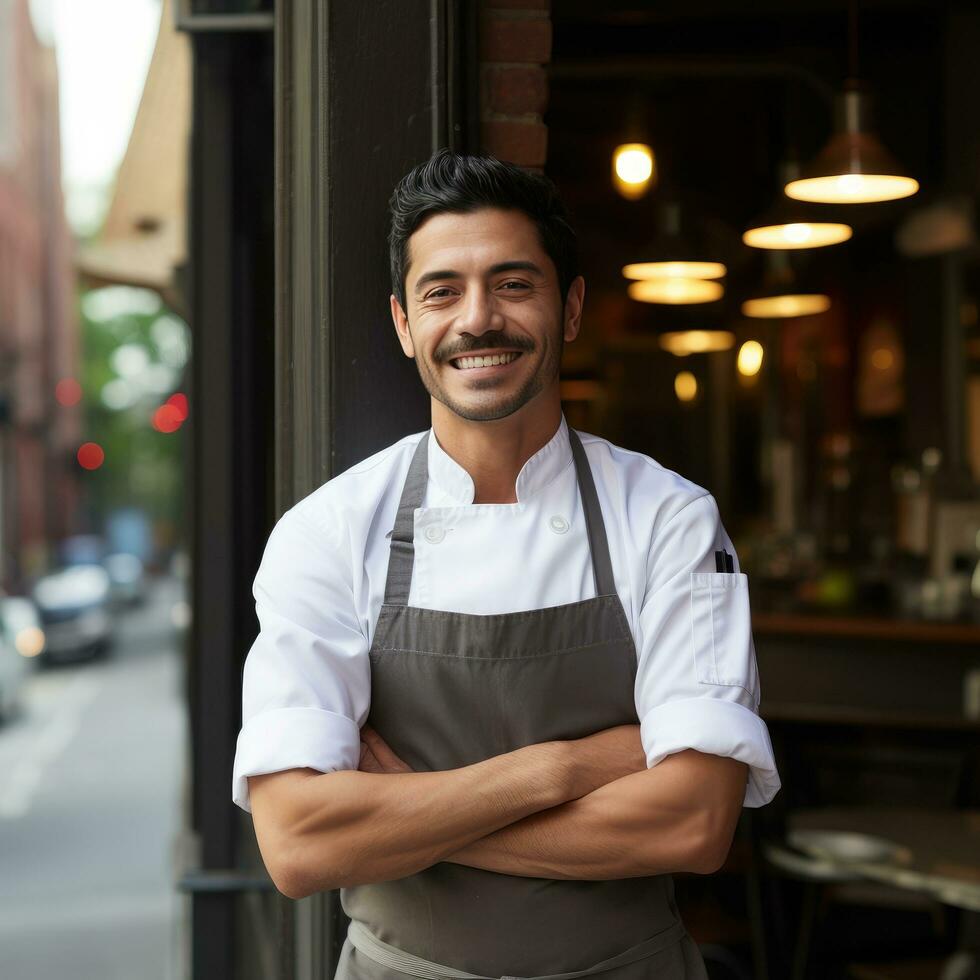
{"x":134,"y":356}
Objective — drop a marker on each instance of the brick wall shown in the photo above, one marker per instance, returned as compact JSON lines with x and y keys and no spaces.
{"x":38,"y":329}
{"x":515,"y":44}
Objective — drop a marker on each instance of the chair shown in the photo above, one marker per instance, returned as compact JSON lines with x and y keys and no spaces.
{"x":834,"y":772}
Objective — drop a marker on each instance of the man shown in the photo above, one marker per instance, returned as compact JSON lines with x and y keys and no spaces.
{"x":501,"y":688}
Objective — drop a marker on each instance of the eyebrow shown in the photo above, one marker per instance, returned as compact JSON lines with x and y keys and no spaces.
{"x":512,"y":266}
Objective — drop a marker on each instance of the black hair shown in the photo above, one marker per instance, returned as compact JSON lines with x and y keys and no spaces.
{"x":459,"y":183}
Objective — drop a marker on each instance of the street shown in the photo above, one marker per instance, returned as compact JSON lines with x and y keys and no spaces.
{"x":90,"y":809}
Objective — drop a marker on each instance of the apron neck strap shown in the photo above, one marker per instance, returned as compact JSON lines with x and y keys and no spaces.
{"x":605,"y":583}
{"x":402,"y":556}
{"x":401,"y":559}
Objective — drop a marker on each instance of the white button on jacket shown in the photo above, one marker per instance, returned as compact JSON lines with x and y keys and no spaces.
{"x":319,"y":588}
{"x":558,"y":524}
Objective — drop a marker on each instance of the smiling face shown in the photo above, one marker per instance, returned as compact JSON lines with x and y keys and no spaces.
{"x":485,"y":318}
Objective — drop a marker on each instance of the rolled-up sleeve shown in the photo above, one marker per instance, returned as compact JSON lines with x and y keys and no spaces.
{"x":697,"y":683}
{"x":306,"y":679}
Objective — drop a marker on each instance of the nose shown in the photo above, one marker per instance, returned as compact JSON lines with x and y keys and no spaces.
{"x":477,"y":313}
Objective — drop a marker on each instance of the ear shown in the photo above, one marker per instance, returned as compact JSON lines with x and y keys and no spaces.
{"x":401,"y":326}
{"x":573,"y":308}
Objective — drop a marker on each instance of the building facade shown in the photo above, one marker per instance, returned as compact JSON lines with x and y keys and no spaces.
{"x":38,"y":323}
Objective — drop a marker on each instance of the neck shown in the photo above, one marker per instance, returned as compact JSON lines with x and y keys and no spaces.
{"x":493,"y":453}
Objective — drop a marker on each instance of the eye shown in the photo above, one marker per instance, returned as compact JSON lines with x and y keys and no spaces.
{"x":517,"y":283}
{"x":439,"y":293}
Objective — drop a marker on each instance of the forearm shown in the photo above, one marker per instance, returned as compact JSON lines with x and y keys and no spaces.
{"x":348,"y":827}
{"x":671,"y":818}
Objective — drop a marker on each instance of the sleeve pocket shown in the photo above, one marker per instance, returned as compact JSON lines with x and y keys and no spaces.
{"x":721,"y":628}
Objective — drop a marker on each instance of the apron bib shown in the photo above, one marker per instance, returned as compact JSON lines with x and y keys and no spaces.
{"x":450,"y":689}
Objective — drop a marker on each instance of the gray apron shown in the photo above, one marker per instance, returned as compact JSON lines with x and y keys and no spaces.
{"x":450,"y":689}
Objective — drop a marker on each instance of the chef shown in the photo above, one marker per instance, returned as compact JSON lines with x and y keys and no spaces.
{"x":505,"y":683}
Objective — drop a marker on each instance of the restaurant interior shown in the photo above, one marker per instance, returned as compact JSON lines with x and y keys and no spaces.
{"x":776,"y":207}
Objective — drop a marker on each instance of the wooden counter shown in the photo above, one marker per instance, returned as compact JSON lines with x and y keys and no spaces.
{"x":865,"y":709}
{"x":865,"y":627}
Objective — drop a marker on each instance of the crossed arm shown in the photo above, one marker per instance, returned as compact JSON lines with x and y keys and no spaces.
{"x":638,"y":825}
{"x":679,"y":815}
{"x":581,"y":809}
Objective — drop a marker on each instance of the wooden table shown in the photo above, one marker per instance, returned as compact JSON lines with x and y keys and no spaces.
{"x":939,"y":850}
{"x":938,"y":854}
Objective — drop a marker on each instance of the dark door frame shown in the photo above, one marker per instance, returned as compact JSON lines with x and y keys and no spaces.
{"x":363,"y":91}
{"x":229,"y":285}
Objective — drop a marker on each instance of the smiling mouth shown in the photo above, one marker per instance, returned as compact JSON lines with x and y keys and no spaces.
{"x":470,"y":362}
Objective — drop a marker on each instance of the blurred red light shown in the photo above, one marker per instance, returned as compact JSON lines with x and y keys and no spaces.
{"x":68,"y":392}
{"x":179,"y":401}
{"x":90,"y":455}
{"x":167,"y":418}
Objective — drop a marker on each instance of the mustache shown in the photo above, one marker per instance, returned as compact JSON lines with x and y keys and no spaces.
{"x":487,"y":343}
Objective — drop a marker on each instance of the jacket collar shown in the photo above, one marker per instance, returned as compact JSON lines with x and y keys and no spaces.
{"x":539,"y":470}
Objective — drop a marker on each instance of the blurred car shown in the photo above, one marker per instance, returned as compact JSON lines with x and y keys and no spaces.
{"x":127,"y":578}
{"x":81,"y":549}
{"x":75,"y":612}
{"x":21,"y":640}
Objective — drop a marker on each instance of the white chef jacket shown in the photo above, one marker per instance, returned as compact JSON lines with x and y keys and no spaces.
{"x":320,"y":585}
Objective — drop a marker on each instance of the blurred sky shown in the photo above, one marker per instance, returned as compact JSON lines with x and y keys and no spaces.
{"x":103,"y":49}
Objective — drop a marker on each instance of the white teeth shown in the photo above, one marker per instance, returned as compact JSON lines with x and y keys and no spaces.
{"x":487,"y":361}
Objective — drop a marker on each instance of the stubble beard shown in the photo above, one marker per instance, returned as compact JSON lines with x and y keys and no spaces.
{"x":507,"y":404}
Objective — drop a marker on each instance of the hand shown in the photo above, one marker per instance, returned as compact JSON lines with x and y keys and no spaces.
{"x":376,"y":756}
{"x":605,"y":756}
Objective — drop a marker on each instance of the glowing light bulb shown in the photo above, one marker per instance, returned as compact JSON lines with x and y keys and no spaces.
{"x":634,"y":165}
{"x":685,"y":386}
{"x":750,"y":356}
{"x":633,"y":169}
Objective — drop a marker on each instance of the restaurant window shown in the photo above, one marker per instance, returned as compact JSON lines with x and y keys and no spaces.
{"x":838,"y":431}
{"x":840,"y":434}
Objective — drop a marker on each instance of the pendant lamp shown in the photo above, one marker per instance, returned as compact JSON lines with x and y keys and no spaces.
{"x":783,"y":306}
{"x":675,"y":269}
{"x":784,"y":295}
{"x":677,"y":266}
{"x":854,"y":167}
{"x":684,"y":342}
{"x":676,"y":291}
{"x":634,"y":164}
{"x":790,"y":224}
